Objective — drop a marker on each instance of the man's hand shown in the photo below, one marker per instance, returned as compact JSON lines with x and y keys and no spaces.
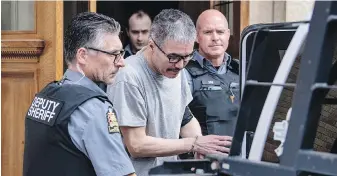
{"x":198,"y":156}
{"x":212,"y":144}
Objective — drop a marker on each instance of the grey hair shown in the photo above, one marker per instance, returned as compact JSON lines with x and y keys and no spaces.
{"x":87,"y":30}
{"x":172,"y":24}
{"x":99,"y":40}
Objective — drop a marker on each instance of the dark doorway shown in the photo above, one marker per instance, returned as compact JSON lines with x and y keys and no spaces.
{"x":121,"y":11}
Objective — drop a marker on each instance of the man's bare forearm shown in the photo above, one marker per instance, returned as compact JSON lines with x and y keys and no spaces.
{"x":192,"y":129}
{"x":141,"y":145}
{"x":158,"y":147}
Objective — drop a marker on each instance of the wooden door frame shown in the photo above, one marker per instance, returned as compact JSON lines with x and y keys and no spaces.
{"x":244,"y":14}
{"x":30,"y":60}
{"x":92,"y":6}
{"x":241,"y":9}
{"x":50,"y":32}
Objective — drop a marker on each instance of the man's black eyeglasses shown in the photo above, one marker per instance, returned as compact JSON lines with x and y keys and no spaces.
{"x":175,"y":58}
{"x":117,"y":56}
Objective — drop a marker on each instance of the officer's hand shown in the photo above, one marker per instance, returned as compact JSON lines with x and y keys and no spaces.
{"x":213,"y":144}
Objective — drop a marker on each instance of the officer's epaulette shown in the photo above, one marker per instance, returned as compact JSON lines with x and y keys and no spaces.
{"x":194,"y":68}
{"x":104,"y":99}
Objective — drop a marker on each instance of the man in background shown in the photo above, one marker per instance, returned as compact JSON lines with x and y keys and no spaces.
{"x":138,"y":32}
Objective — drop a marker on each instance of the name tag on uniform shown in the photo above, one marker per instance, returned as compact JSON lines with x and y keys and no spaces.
{"x":44,"y":110}
{"x":211,"y":82}
{"x":210,"y":85}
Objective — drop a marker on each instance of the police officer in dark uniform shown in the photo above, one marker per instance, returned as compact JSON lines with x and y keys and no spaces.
{"x":214,"y":78}
{"x":71,"y":127}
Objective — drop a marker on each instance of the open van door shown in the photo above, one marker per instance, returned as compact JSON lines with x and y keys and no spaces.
{"x":262,"y":48}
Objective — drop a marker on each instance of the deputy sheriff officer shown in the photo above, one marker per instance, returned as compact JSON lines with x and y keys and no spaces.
{"x":213,"y":76}
{"x":71,"y":127}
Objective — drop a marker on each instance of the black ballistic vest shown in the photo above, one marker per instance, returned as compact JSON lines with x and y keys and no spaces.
{"x":215,"y":98}
{"x":49,"y":150}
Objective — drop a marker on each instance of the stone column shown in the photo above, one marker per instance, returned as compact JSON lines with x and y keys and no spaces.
{"x":299,"y":10}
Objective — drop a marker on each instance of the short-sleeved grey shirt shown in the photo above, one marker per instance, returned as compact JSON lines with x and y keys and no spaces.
{"x":145,"y":98}
{"x":88,"y":129}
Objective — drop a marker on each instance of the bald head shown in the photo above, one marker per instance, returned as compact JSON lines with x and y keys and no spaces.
{"x":211,"y":15}
{"x":212,"y":35}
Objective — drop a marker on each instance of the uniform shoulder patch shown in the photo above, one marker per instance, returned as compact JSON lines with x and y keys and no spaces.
{"x":112,"y":121}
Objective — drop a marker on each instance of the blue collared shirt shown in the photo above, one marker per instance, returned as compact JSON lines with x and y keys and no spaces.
{"x":88,"y":129}
{"x":206,"y":64}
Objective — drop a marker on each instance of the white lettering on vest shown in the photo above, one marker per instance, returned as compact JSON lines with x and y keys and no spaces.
{"x":43,"y":109}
